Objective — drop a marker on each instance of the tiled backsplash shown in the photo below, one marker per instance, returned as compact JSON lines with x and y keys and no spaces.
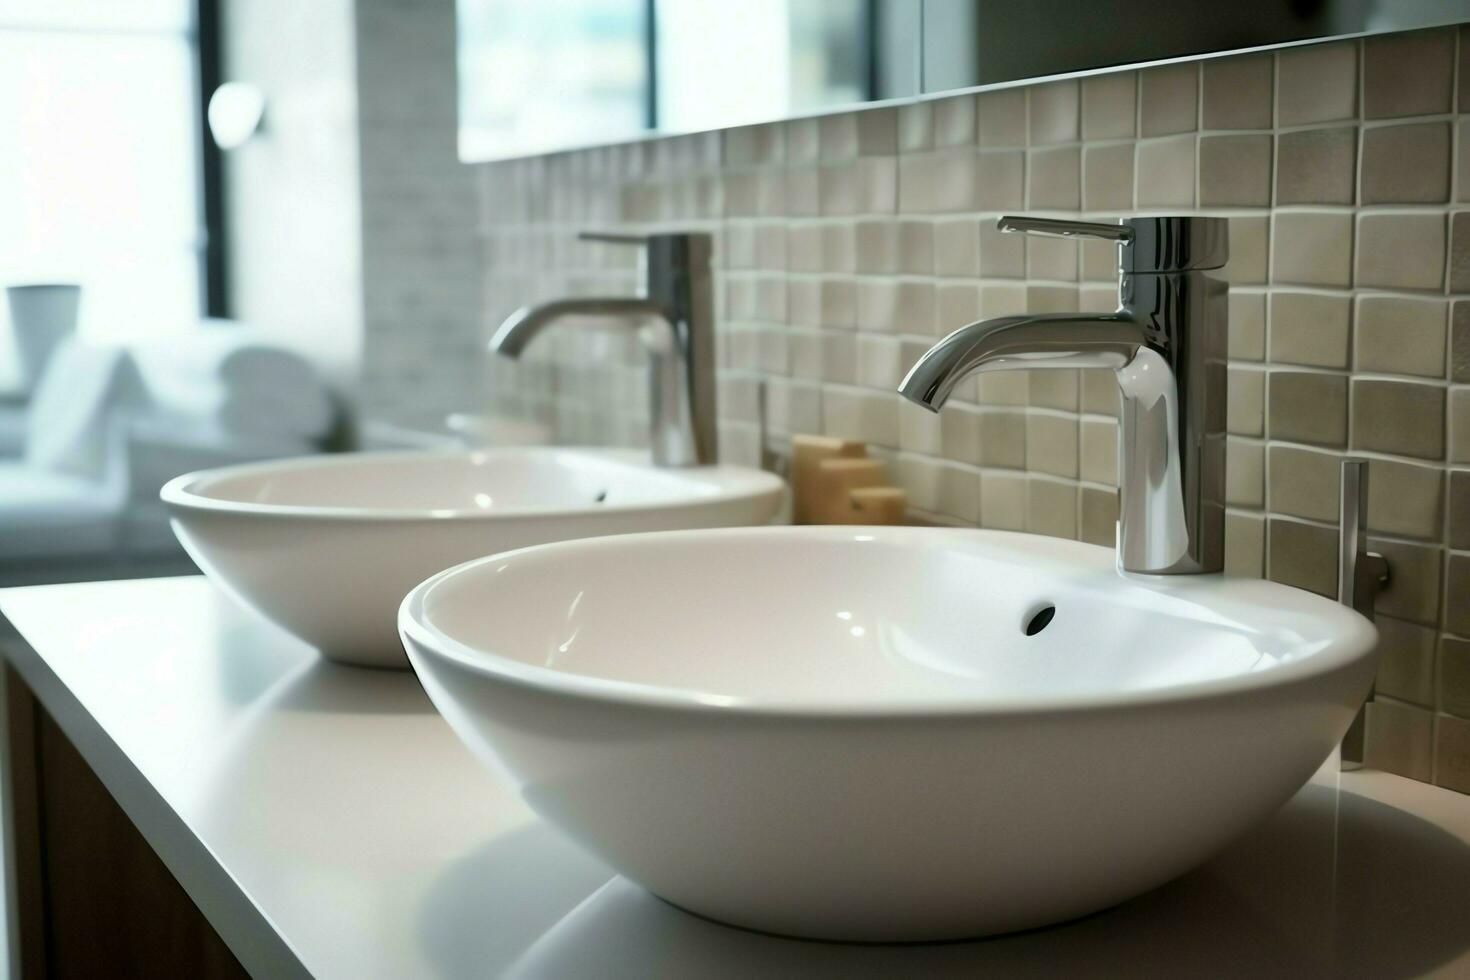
{"x":847,"y":244}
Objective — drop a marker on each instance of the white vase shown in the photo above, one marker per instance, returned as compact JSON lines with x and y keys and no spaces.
{"x":41,"y":317}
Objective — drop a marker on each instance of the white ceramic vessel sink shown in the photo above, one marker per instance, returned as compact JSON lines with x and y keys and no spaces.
{"x":327,"y":546}
{"x":849,"y":734}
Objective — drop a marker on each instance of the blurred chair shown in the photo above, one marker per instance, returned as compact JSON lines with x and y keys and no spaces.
{"x":108,"y":426}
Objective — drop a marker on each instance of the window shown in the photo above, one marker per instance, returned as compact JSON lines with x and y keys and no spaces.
{"x":99,"y":161}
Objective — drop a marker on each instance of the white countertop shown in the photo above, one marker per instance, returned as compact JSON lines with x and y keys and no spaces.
{"x":328,"y":823}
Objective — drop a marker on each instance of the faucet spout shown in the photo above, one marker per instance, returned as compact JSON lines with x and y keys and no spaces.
{"x":516,"y":331}
{"x":1021,"y":342}
{"x":679,"y":298}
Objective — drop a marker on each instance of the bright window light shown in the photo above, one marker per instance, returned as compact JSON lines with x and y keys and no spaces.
{"x":99,"y":179}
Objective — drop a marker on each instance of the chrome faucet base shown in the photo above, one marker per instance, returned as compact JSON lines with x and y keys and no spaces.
{"x":1166,"y":344}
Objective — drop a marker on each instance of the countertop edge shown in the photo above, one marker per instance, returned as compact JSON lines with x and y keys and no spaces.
{"x":249,"y":933}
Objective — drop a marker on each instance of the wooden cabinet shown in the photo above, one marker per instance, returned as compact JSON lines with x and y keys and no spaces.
{"x":94,"y":900}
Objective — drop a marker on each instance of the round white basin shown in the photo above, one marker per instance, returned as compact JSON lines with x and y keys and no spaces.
{"x":886,"y":734}
{"x":327,"y":546}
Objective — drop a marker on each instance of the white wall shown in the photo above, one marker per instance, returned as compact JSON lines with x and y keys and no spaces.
{"x":352,"y":222}
{"x":294,"y":212}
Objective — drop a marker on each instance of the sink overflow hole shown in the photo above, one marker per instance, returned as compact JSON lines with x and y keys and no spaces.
{"x":601,"y":496}
{"x":1039,"y":618}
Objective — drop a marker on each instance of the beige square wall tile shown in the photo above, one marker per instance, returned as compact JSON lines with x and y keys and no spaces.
{"x":1304,"y":483}
{"x":1248,"y":238}
{"x":1051,"y":507}
{"x":869,"y":416}
{"x":1462,"y":159}
{"x":1314,"y":248}
{"x":1245,"y":402}
{"x":1400,"y":335}
{"x":1457,"y":614}
{"x":1100,"y":263}
{"x":877,"y":246}
{"x":1245,"y":473}
{"x":1169,"y":99}
{"x":1458,"y":527}
{"x":1100,"y":394}
{"x":1055,"y":112}
{"x":1399,"y":739}
{"x":1109,"y":105}
{"x":1408,"y":74}
{"x":1000,"y":118}
{"x":1055,"y":178}
{"x":1310,"y":328}
{"x":1003,"y":439}
{"x":1107,"y":177}
{"x":1310,"y":408}
{"x":1051,"y":445}
{"x":1401,"y":251}
{"x":1051,"y":258}
{"x":1237,"y":92}
{"x":1002,"y":299}
{"x":877,"y":131}
{"x":916,"y":247}
{"x":1247,"y":326}
{"x":1166,"y":172}
{"x":1235,"y":171}
{"x":1000,"y":177}
{"x":918,"y":429}
{"x":878,"y":361}
{"x":1388,"y":178}
{"x":1460,"y":425}
{"x":1054,"y":389}
{"x":1303,"y":555}
{"x":1462,"y":97}
{"x":1316,"y":166}
{"x":915,"y":127}
{"x":1460,"y":252}
{"x":957,"y":248}
{"x":1405,"y":418}
{"x":1454,"y":676}
{"x":839,"y":357}
{"x":1406,"y":499}
{"x":1452,"y":754}
{"x":1317,"y":83}
{"x":956,"y":304}
{"x":1460,"y":341}
{"x":1245,"y":545}
{"x":1099,"y":516}
{"x":959,"y":493}
{"x":1002,"y":256}
{"x":956,"y":179}
{"x":959,"y":433}
{"x":954,"y":121}
{"x":1406,"y":661}
{"x":1003,"y":501}
{"x":1098,"y":451}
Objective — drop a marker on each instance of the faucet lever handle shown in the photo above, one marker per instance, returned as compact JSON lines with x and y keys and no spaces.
{"x":612,"y":237}
{"x":1059,"y":228}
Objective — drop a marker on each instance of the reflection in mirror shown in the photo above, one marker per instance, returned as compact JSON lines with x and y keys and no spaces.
{"x":536,"y":76}
{"x":981,"y":42}
{"x":543,"y":75}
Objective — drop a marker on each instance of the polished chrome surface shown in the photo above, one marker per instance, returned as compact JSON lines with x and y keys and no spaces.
{"x":679,"y":295}
{"x":1167,"y":345}
{"x":1361,"y":574}
{"x":1063,"y":228}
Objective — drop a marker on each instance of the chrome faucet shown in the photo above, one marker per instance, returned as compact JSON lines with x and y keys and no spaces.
{"x":1167,"y":345}
{"x":680,"y":299}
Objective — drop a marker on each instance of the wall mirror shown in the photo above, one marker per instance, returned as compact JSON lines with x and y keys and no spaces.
{"x":537,"y":76}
